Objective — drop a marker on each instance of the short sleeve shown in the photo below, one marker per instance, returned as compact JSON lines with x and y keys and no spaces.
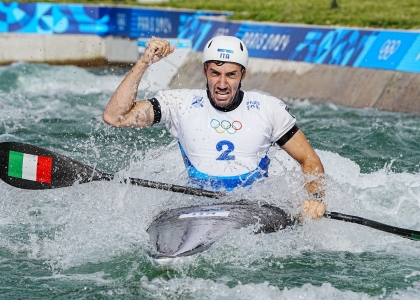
{"x":171,"y":102}
{"x":280,"y":118}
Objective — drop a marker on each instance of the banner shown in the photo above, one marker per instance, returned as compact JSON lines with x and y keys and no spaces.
{"x":46,"y":18}
{"x":132,"y":22}
{"x":380,"y":49}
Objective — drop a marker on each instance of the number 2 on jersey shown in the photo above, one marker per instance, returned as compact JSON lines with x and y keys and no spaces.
{"x":227,"y":150}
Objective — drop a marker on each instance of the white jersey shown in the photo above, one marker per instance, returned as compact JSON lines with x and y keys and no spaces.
{"x":225,"y":149}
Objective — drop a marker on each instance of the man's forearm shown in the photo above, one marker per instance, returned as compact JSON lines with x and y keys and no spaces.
{"x":123,"y":99}
{"x":314,"y":173}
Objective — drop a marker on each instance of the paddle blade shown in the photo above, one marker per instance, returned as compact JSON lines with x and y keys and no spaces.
{"x":29,"y":167}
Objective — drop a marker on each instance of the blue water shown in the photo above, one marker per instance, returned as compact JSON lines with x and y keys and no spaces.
{"x":90,"y":240}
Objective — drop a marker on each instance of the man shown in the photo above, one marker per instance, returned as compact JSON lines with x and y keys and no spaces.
{"x":224,"y":133}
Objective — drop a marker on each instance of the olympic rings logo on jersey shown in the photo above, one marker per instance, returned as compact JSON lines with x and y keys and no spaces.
{"x":225,"y":126}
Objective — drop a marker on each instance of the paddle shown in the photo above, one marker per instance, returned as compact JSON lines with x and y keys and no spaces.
{"x":407,"y":233}
{"x":21,"y":165}
{"x":20,"y":168}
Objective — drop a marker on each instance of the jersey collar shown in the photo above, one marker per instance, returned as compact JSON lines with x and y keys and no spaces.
{"x":237,"y":100}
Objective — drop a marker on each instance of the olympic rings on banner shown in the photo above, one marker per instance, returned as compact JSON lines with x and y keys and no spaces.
{"x":225,"y":125}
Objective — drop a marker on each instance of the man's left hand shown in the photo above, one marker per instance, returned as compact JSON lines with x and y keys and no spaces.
{"x":314,"y":208}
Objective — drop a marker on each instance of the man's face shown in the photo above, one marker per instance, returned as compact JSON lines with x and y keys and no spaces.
{"x":223,"y":81}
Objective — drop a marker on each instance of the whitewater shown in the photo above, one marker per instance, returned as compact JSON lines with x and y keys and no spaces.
{"x":89,"y":240}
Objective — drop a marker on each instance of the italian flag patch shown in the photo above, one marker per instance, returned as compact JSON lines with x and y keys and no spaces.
{"x":30,"y":167}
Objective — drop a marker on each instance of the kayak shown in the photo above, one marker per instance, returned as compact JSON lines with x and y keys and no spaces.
{"x":190,"y":230}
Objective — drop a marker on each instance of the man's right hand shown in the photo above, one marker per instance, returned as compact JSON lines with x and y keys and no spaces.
{"x":156,"y":49}
{"x":122,"y":109}
{"x":314,"y":208}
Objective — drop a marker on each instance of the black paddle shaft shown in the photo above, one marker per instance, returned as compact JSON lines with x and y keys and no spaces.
{"x":407,"y":233}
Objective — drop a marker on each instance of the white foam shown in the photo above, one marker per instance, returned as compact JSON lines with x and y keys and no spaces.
{"x":197,"y":288}
{"x":61,"y":80}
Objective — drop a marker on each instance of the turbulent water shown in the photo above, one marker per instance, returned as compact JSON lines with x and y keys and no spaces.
{"x":90,"y":240}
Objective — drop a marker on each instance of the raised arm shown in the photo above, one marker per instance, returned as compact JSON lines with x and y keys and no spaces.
{"x":122,"y":109}
{"x":299,"y":148}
